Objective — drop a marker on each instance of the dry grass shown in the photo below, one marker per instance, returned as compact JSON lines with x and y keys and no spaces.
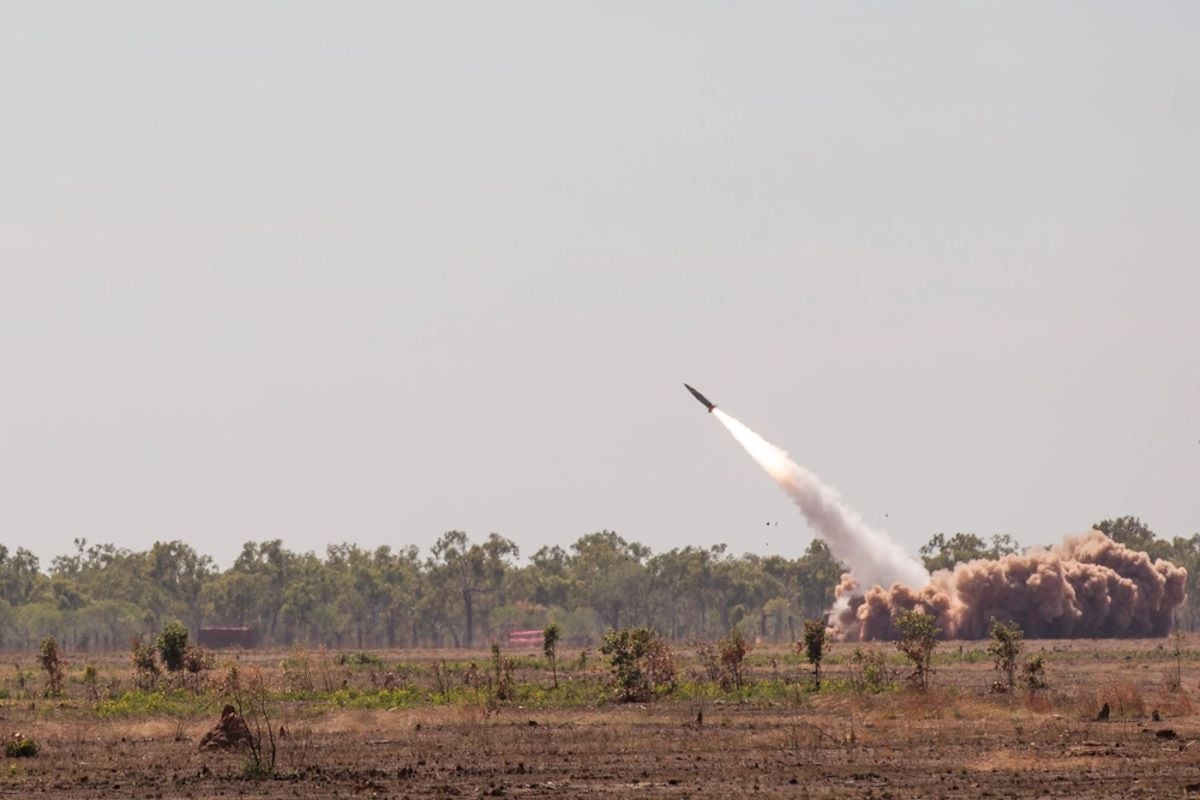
{"x":957,"y":740}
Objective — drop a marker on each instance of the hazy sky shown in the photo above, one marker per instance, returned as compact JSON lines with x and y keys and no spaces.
{"x":373,"y":271}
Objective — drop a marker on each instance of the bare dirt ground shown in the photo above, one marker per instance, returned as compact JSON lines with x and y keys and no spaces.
{"x":956,"y":741}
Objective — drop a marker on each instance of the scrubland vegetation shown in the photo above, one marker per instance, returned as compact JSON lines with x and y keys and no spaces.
{"x":633,"y":717}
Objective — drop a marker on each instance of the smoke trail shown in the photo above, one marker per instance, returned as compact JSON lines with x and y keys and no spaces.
{"x":1088,"y":586}
{"x":873,"y":558}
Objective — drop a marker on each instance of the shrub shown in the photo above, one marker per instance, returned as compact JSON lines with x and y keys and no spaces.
{"x":359,"y":659}
{"x":502,"y":675}
{"x":641,"y":663}
{"x":53,"y":663}
{"x":732,"y":650}
{"x":250,"y":695}
{"x":1033,"y":672}
{"x":91,"y":683}
{"x":1004,"y":649}
{"x":195,"y":661}
{"x":918,"y":638}
{"x":145,"y":665}
{"x":172,"y":643}
{"x":19,"y":746}
{"x":815,"y":637}
{"x":869,"y":671}
{"x":550,"y":637}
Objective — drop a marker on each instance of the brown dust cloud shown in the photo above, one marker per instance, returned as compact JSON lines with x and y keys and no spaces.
{"x":1086,"y":587}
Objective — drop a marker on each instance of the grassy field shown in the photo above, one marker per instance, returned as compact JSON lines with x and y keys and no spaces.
{"x":431,"y":724}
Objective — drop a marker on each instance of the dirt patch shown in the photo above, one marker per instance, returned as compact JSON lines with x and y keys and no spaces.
{"x":956,"y":741}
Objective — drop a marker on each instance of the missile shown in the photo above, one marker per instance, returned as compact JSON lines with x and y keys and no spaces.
{"x":701,"y":398}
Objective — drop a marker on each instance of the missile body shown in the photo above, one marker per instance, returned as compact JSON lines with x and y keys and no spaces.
{"x":701,"y":398}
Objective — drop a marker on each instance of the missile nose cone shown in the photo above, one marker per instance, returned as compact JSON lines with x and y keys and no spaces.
{"x":703,"y":400}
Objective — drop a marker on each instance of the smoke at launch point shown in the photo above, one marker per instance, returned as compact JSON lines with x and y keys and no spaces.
{"x":1088,"y":586}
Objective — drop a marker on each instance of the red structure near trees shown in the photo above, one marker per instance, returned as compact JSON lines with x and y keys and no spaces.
{"x":525,"y":639}
{"x":219,"y":638}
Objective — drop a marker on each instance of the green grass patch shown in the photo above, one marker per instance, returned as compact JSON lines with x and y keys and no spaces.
{"x":140,"y":702}
{"x":406,"y":697}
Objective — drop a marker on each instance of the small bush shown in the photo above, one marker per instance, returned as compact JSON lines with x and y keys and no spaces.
{"x":641,"y":663}
{"x":91,"y":683}
{"x":19,"y":746}
{"x":54,"y":664}
{"x":145,"y":665}
{"x":502,"y":675}
{"x":918,"y":637}
{"x":550,"y":636}
{"x":359,"y":659}
{"x":815,"y":638}
{"x":172,"y":643}
{"x":196,"y":660}
{"x":1033,"y":672}
{"x":1005,"y":648}
{"x":869,"y":671}
{"x":732,"y":651}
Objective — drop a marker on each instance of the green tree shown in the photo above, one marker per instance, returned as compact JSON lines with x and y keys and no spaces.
{"x":1185,"y":552}
{"x":181,"y":574}
{"x":550,"y":636}
{"x":943,"y":553}
{"x":816,"y":575}
{"x":145,"y":666}
{"x":265,"y":568}
{"x":1005,"y":649}
{"x":1002,"y":545}
{"x":608,"y":574}
{"x":641,"y":662}
{"x":20,"y":576}
{"x":53,"y":663}
{"x":732,"y":651}
{"x":1134,"y":534}
{"x":472,"y":571}
{"x":172,"y":643}
{"x":918,"y":638}
{"x":815,"y":638}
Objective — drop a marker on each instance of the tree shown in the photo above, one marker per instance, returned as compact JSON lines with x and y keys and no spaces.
{"x":549,"y":573}
{"x":685,"y":585}
{"x":1033,"y":672}
{"x":1005,"y":649}
{"x":918,"y":638}
{"x":267,"y":569}
{"x":20,"y":577}
{"x":145,"y":667}
{"x":181,"y":573}
{"x":732,"y":650}
{"x":641,"y":662}
{"x":550,"y":648}
{"x":1185,"y":552}
{"x":608,"y":574}
{"x":1003,"y":545}
{"x":52,"y":661}
{"x":815,"y":637}
{"x":943,"y":553}
{"x":817,"y":574}
{"x":171,"y":643}
{"x":1134,"y":534}
{"x":473,"y":570}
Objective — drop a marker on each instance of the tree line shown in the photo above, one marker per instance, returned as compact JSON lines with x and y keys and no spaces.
{"x":463,"y":593}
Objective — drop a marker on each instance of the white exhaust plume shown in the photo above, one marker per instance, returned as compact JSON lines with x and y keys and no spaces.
{"x":1088,"y":586}
{"x":873,"y":558}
